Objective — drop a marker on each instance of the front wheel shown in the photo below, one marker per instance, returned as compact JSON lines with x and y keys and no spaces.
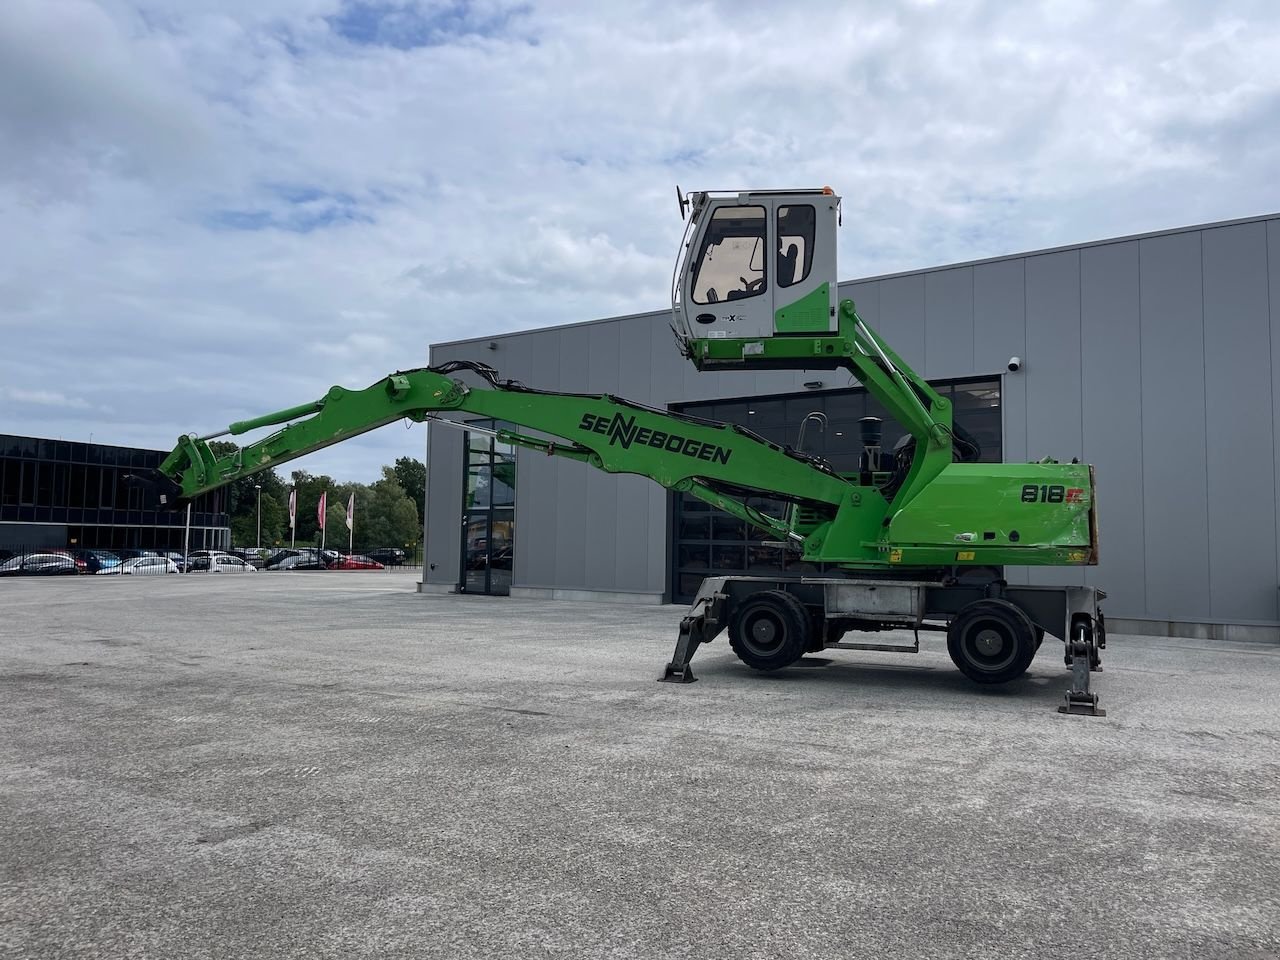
{"x":992,"y":641}
{"x":769,"y":630}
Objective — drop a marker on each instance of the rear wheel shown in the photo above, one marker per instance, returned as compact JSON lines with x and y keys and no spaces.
{"x":992,"y":641}
{"x":769,"y":630}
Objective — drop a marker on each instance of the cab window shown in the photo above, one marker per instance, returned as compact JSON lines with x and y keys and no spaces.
{"x":731,"y":260}
{"x":796,"y":230}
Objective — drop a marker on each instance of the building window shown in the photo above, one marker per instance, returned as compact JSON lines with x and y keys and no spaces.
{"x":489,"y":516}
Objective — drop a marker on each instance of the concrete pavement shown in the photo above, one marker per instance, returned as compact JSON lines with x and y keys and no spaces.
{"x":320,"y":765}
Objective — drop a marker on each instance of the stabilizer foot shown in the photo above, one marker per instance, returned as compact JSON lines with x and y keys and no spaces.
{"x":1082,"y":705}
{"x":698,"y":627}
{"x":676,"y":673}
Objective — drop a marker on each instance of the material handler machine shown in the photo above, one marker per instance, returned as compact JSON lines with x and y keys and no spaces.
{"x":919,"y":534}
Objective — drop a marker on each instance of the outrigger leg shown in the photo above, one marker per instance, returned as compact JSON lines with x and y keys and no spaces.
{"x":1083,"y":657}
{"x":700,"y":625}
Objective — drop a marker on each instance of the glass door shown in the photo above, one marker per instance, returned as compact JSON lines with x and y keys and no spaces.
{"x":488,"y":514}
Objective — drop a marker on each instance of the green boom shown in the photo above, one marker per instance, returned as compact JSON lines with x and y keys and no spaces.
{"x":934,"y":513}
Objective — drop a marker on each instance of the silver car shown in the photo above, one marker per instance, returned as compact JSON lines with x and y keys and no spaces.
{"x":149,"y":566}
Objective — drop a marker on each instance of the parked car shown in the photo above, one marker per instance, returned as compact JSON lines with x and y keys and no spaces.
{"x":388,"y":556}
{"x":95,"y":561}
{"x":149,"y":566}
{"x":82,"y":565}
{"x":199,"y":559}
{"x":227,"y":564}
{"x":299,"y":561}
{"x":130,"y":553}
{"x":355,"y":562}
{"x":253,"y":555}
{"x":308,"y":558}
{"x":39,"y":565}
{"x":218,"y":563}
{"x":277,"y":556}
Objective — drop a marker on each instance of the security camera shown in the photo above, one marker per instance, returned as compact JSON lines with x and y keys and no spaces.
{"x":1015,"y":364}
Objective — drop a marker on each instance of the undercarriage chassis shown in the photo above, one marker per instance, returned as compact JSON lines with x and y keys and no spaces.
{"x":993,"y":629}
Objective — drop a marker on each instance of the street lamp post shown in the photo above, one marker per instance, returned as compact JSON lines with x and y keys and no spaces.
{"x":258,"y":487}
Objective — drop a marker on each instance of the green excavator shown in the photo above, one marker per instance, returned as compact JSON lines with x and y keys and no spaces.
{"x":920,"y":533}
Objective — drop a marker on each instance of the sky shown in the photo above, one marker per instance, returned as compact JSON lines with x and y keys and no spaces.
{"x":211,"y":209}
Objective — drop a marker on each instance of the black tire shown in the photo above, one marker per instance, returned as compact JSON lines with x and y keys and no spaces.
{"x":1039,"y":635}
{"x":991,"y":641}
{"x":769,"y":630}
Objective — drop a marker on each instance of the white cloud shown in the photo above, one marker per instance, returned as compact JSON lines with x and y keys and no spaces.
{"x":46,"y":398}
{"x":213,"y":209}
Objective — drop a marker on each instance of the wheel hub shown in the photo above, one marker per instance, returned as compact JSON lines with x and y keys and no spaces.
{"x":764,"y":632}
{"x":988,"y":642}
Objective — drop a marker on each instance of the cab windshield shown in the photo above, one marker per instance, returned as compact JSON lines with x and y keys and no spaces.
{"x":731,"y":261}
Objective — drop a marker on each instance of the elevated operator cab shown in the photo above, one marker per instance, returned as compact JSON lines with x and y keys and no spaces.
{"x":757,"y":265}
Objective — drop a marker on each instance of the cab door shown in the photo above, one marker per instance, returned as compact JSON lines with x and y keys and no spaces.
{"x":805,"y":290}
{"x":727,"y":289}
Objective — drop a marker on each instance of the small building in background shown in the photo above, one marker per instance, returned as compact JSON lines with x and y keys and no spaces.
{"x":62,"y":493}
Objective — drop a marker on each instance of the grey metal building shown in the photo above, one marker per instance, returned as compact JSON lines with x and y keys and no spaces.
{"x":1155,"y":357}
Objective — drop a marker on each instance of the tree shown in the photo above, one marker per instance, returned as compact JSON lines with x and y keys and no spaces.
{"x":242,"y":502}
{"x":384,"y":516}
{"x":336,"y":525}
{"x":275,"y":520}
{"x":411,"y":474}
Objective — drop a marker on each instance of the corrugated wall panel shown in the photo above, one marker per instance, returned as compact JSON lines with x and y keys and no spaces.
{"x":999,"y":332}
{"x":1274,"y":309}
{"x":1273,"y":299}
{"x":1052,"y":372}
{"x":1238,"y":438}
{"x":636,"y":534}
{"x":866,"y":300}
{"x":948,"y":324}
{"x":537,"y":478}
{"x":571,"y":529}
{"x":444,"y":504}
{"x":901,"y":317}
{"x":1175,"y":483}
{"x":1052,"y":367}
{"x":598,"y":511}
{"x":1111,"y":344}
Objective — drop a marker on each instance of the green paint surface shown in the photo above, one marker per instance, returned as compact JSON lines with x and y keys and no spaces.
{"x":810,"y":314}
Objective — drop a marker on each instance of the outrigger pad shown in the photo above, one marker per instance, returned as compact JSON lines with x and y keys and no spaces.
{"x":1083,"y":705}
{"x":674,"y":673}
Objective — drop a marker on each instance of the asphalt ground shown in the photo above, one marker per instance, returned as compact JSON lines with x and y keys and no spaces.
{"x":330,"y":765}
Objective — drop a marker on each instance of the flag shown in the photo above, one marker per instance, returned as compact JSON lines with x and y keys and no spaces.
{"x":324,"y":502}
{"x":293,"y":508}
{"x":351,"y":512}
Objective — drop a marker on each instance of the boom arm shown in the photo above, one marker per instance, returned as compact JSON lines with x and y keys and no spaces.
{"x":705,"y":459}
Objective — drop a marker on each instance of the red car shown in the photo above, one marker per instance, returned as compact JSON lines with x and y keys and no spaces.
{"x":355,"y":562}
